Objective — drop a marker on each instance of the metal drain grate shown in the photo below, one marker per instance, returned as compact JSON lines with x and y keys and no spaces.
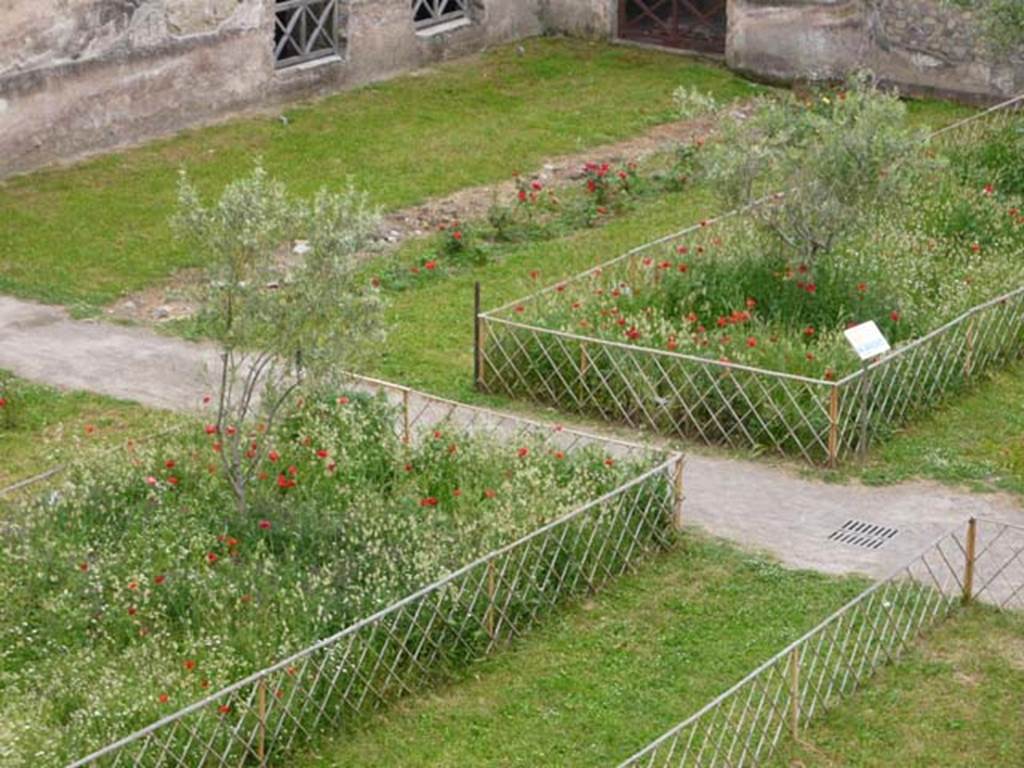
{"x":860,"y":534}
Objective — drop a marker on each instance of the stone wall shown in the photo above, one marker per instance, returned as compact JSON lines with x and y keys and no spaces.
{"x":924,"y":46}
{"x":79,"y":76}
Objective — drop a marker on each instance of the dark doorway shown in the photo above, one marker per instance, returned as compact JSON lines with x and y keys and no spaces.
{"x":696,"y":25}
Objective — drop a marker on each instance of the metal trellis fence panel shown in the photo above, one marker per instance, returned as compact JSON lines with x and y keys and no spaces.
{"x":526,"y":348}
{"x":743,"y":726}
{"x":334,"y":683}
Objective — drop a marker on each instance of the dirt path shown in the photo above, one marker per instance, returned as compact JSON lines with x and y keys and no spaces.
{"x":167,"y":301}
{"x":757,"y":505}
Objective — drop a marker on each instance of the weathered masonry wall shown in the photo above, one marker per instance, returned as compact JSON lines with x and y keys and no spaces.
{"x":85,"y":75}
{"x":924,"y":46}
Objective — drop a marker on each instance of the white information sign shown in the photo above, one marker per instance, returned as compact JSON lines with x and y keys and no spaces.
{"x":867,"y":341}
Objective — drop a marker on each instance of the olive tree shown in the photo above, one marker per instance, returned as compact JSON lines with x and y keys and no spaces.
{"x":817,"y":167}
{"x":282,"y":317}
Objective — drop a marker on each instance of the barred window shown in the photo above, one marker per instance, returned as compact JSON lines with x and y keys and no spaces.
{"x":427,"y":13}
{"x":305,"y":30}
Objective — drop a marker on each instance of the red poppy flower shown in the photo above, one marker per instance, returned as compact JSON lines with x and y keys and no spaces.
{"x":172,"y":480}
{"x":609,"y":462}
{"x":522,"y":195}
{"x":457,"y":235}
{"x":133,"y":585}
{"x":560,"y":287}
{"x":976,"y":247}
{"x":457,"y":492}
{"x":672,"y":344}
{"x":490,"y":494}
{"x":189,"y":665}
{"x":682,"y":249}
{"x":224,"y":709}
{"x":751,"y":303}
{"x":293,"y":470}
{"x":284,"y":483}
{"x":429,"y":501}
{"x":988,"y":190}
{"x":751,"y":342}
{"x":520,"y":309}
{"x":829,"y":374}
{"x":211,"y":429}
{"x":211,"y":557}
{"x":163,"y":698}
{"x":408,"y":467}
{"x":160,"y":579}
{"x":430,"y":266}
{"x":89,"y":429}
{"x":132,"y":610}
{"x":894,"y":316}
{"x":809,"y":331}
{"x":810,"y":356}
{"x":3,"y":402}
{"x":169,"y":464}
{"x":265,"y":525}
{"x":343,"y":400}
{"x":206,"y":399}
{"x":322,"y":454}
{"x":523,"y":452}
{"x":559,"y":455}
{"x":273,"y":455}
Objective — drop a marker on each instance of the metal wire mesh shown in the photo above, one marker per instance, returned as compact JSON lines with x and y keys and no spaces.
{"x":744,"y":725}
{"x":429,"y":634}
{"x":717,"y":402}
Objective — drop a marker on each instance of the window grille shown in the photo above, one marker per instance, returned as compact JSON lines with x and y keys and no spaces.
{"x":304,"y":30}
{"x":427,"y":13}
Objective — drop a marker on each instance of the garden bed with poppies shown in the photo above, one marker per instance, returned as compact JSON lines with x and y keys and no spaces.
{"x":135,"y":587}
{"x":720,"y":333}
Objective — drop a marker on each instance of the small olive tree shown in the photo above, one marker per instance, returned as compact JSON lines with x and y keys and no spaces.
{"x":282,"y":317}
{"x":835,"y":158}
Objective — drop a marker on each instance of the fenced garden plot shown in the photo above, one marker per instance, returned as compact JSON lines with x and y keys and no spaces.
{"x":745,"y":725}
{"x":150,"y":596}
{"x":713,"y":335}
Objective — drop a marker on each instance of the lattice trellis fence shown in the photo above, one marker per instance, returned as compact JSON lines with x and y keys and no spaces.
{"x":744,"y":725}
{"x":520,"y":352}
{"x":332,"y":684}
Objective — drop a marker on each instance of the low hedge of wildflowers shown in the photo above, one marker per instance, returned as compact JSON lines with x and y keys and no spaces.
{"x":949,"y":237}
{"x":136,"y":587}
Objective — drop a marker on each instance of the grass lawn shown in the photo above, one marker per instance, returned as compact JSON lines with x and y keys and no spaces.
{"x":86,"y":234}
{"x":41,"y":426}
{"x":953,"y":702}
{"x":601,"y":679}
{"x":976,"y":439}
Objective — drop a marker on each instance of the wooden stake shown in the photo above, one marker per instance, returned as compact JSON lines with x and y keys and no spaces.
{"x":490,"y":599}
{"x":794,"y":693}
{"x":972,"y":546}
{"x":833,"y":429}
{"x":406,"y":431}
{"x":969,"y":357}
{"x":261,"y":703}
{"x":477,"y":373}
{"x":678,"y":517}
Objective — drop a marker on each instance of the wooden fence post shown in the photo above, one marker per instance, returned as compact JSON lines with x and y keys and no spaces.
{"x":491,"y":589}
{"x":406,"y":429}
{"x":261,"y":705}
{"x":677,"y":519}
{"x":972,"y":547}
{"x":833,"y":428}
{"x":477,"y":367}
{"x":794,"y":693}
{"x":969,"y":356}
